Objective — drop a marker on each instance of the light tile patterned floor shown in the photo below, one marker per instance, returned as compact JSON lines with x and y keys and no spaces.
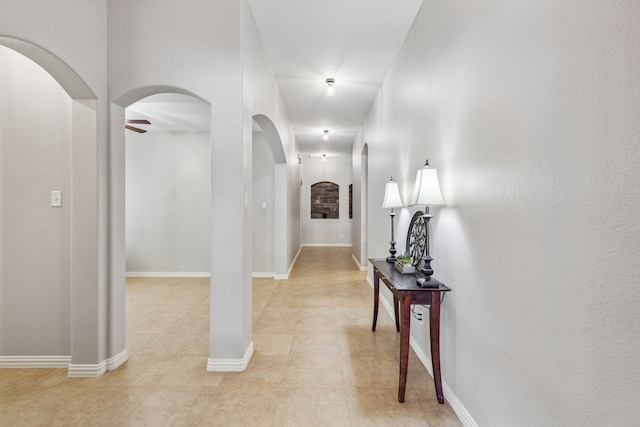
{"x":316,"y":362}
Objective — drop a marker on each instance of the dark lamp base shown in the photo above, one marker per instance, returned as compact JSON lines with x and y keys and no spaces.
{"x":392,"y":258}
{"x":427,"y":283}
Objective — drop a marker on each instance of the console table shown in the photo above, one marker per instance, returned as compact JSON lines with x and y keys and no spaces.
{"x":406,"y":293}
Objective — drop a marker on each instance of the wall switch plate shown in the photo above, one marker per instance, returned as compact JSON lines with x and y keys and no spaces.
{"x":56,"y":198}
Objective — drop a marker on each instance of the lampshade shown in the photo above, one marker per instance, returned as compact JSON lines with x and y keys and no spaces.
{"x":392,"y":197}
{"x":427,"y":189}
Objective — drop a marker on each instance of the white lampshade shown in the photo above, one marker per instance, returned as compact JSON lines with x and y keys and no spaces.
{"x":392,"y":197}
{"x":427,"y":189}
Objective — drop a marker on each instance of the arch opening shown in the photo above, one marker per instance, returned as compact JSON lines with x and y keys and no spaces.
{"x":269,"y":188}
{"x":160,"y":194}
{"x":56,"y":126}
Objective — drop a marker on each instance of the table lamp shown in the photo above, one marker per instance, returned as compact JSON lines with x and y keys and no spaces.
{"x":427,"y":192}
{"x":392,"y":200}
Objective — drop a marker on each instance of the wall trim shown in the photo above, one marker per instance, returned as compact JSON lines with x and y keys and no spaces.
{"x":35,"y":361}
{"x":115,"y":362}
{"x":79,"y":370}
{"x":360,"y":267}
{"x":263,"y":275}
{"x":449,"y":395}
{"x":231,"y":365}
{"x":168,"y":274}
{"x":286,"y":276}
{"x":90,"y":370}
{"x":329,"y":245}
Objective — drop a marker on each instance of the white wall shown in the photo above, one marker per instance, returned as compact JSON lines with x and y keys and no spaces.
{"x":529,"y":111}
{"x":326,"y":232}
{"x":79,"y":65}
{"x":210,"y":50}
{"x":263,"y":208}
{"x":168,"y":186}
{"x":35,"y":250}
{"x":152,"y":47}
{"x":262,"y":97}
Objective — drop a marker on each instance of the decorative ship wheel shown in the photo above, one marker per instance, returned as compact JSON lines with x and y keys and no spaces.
{"x":416,"y":238}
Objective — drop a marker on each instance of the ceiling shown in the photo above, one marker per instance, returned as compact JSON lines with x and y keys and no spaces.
{"x":306,"y":42}
{"x":171,"y":112}
{"x":351,"y":41}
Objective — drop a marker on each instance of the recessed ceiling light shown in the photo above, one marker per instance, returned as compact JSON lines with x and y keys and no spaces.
{"x":330,"y":90}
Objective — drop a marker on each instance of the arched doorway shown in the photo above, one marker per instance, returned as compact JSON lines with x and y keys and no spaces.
{"x":275,"y":241}
{"x":65,"y":256}
{"x":167,"y":228}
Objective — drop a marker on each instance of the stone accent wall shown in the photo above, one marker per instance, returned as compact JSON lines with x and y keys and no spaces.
{"x":325,"y":200}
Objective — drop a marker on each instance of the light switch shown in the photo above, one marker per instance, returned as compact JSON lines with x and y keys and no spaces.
{"x":56,"y":198}
{"x":264,"y":205}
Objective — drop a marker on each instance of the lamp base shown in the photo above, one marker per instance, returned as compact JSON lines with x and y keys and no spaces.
{"x":427,"y":283}
{"x":392,"y":258}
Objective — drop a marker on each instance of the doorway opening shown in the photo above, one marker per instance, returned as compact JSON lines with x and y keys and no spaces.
{"x":167,"y":231}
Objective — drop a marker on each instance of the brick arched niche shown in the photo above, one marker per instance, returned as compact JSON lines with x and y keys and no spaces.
{"x":325,"y":200}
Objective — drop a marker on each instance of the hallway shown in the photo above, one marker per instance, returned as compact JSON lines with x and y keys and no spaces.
{"x":316,"y":361}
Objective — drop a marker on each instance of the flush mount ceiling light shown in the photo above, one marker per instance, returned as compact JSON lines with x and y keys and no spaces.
{"x":326,"y":136}
{"x":324,"y":157}
{"x":330,"y":90}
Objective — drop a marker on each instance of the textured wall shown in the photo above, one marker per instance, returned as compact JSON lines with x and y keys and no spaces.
{"x":530,"y":112}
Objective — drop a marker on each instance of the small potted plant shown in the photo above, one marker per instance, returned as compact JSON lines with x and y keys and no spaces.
{"x":404,"y":264}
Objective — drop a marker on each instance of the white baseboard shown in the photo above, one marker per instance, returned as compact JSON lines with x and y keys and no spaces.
{"x":90,"y":370}
{"x":75,"y":370}
{"x":78,"y":370}
{"x":263,"y":275}
{"x":286,"y":276}
{"x":231,"y":365}
{"x":360,"y":267}
{"x":168,"y":274}
{"x":328,"y":245}
{"x":114,"y":362}
{"x":34,"y":361}
{"x":449,"y":395}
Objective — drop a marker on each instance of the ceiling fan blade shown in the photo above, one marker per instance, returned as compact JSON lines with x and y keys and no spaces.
{"x":135,"y":129}
{"x":139,"y":121}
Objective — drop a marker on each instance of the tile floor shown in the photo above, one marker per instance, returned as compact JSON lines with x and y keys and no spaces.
{"x":316,"y":362}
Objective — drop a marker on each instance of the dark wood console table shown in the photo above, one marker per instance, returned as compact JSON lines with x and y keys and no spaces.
{"x":406,"y":293}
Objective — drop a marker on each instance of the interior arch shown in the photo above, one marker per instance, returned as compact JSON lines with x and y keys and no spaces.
{"x":86,"y":320}
{"x":117,"y":207}
{"x":70,"y":81}
{"x":280,"y":192}
{"x":273,"y":137}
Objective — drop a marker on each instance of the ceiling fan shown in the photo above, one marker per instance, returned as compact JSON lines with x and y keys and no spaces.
{"x":137,"y":122}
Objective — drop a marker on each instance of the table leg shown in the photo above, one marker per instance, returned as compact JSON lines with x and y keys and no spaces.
{"x":405,"y":325}
{"x":376,"y":297}
{"x":434,"y":333}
